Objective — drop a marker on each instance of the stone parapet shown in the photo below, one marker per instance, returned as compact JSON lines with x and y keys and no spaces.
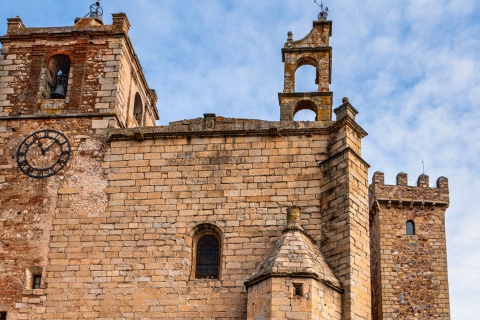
{"x":402,"y":194}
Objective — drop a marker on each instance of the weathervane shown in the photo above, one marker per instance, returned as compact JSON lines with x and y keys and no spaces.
{"x":96,"y":11}
{"x":323,"y":15}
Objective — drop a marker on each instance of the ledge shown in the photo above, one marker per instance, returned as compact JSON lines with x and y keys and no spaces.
{"x":59,"y":116}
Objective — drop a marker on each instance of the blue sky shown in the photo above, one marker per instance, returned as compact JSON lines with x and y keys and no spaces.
{"x":411,"y":67}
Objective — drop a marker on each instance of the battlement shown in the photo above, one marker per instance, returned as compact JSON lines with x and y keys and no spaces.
{"x":404,"y":195}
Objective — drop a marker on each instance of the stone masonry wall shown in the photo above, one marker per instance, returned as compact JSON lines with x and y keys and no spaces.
{"x":345,"y":225}
{"x":411,"y":270}
{"x":375,"y":267}
{"x":24,"y":64}
{"x":134,"y":260}
{"x":29,"y":207}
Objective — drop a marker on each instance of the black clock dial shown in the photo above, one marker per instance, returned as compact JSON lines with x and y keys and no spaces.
{"x":43,"y":153}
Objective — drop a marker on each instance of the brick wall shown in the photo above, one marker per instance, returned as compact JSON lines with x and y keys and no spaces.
{"x":104,"y":72}
{"x":28,"y":208}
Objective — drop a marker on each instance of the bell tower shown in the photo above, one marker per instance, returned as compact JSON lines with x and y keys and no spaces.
{"x":313,"y":50}
{"x":61,"y":90}
{"x":88,"y":70}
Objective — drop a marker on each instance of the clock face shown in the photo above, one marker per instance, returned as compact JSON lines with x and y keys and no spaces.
{"x":43,"y":153}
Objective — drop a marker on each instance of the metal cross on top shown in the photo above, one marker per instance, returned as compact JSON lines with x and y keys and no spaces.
{"x":323,"y":15}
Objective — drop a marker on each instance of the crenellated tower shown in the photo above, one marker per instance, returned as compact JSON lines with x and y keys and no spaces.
{"x":408,"y":249}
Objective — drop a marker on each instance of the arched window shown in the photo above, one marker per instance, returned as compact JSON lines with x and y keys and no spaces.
{"x":56,"y":77}
{"x":207,"y":257}
{"x":410,"y":228}
{"x":207,"y":252}
{"x":138,"y":109}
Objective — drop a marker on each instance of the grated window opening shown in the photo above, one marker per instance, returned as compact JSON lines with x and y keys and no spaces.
{"x":3,"y":316}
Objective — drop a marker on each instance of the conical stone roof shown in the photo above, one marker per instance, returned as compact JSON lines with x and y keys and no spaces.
{"x":295,"y":255}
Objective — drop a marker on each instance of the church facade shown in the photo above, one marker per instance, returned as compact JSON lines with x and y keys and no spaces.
{"x":104,"y":215}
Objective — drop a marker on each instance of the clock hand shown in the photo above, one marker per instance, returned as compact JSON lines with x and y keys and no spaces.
{"x":46,"y":149}
{"x":39,"y":143}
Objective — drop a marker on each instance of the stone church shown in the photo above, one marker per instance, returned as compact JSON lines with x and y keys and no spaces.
{"x":104,"y":215}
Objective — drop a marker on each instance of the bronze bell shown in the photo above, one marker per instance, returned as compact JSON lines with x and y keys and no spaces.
{"x":59,"y":92}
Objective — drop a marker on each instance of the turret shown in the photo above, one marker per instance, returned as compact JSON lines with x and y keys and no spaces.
{"x":408,"y":248}
{"x":294,"y":281}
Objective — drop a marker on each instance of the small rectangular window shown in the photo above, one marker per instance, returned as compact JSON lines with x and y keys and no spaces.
{"x":3,"y":316}
{"x":37,"y":281}
{"x":298,"y":289}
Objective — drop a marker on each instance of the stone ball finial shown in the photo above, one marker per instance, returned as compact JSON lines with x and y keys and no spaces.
{"x":345,"y":100}
{"x":290,"y":35}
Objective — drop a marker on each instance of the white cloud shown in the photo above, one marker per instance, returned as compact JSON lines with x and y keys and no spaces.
{"x":412,"y":69}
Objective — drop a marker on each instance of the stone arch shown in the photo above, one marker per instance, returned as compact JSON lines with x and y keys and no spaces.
{"x":306,"y":105}
{"x":307,"y":60}
{"x":207,"y":244}
{"x":302,"y":62}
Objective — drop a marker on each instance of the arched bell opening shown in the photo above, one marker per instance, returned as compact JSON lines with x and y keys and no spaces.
{"x":56,"y":77}
{"x":306,"y":75}
{"x":305,"y":79}
{"x":305,"y":110}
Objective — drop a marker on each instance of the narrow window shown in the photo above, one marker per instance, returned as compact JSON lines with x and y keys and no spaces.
{"x":138,"y":109}
{"x":37,"y":281}
{"x":207,"y":257}
{"x":3,"y":316}
{"x":410,"y":228}
{"x":298,"y":289}
{"x":33,"y":278}
{"x":56,"y":78}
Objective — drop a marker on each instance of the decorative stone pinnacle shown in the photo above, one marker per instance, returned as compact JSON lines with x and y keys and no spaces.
{"x":293,"y":218}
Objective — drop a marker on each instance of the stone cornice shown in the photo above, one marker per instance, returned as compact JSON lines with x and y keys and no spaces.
{"x":60,"y":116}
{"x":304,"y":275}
